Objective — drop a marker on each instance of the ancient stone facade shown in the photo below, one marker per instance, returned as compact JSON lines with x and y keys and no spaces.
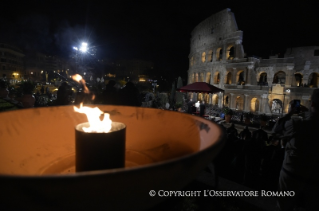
{"x":251,"y":84}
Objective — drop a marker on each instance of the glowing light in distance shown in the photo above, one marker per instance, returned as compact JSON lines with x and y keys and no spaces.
{"x":78,"y":78}
{"x":83,"y":47}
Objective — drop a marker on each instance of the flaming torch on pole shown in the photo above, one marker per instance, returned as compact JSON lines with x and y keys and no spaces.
{"x":81,"y":97}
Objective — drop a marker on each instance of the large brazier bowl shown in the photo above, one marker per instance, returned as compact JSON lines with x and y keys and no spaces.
{"x":165,"y":150}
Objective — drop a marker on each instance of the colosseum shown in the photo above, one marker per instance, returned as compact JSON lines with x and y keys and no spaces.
{"x":251,"y":84}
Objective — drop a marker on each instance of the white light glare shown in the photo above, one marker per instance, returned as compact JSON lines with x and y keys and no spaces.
{"x":83,"y":47}
{"x":75,"y":48}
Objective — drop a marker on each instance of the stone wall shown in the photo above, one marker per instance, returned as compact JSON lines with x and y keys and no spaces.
{"x":251,"y":84}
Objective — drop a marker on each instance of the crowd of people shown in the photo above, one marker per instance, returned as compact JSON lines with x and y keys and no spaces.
{"x":252,"y":158}
{"x":111,"y":95}
{"x":287,"y":160}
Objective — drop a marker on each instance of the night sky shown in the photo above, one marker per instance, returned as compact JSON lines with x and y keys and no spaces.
{"x":158,"y":31}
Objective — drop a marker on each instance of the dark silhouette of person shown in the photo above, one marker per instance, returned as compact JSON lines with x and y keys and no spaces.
{"x":245,"y":134}
{"x":300,"y":168}
{"x":130,"y":95}
{"x":255,"y":150}
{"x":242,"y":118}
{"x":42,"y":89}
{"x":236,"y":154}
{"x":63,"y":95}
{"x":193,"y":108}
{"x":225,"y":157}
{"x":110,"y":94}
{"x":189,"y":106}
{"x":271,"y":163}
{"x":47,"y":90}
{"x":232,"y":132}
{"x":251,"y":164}
{"x":202,"y":108}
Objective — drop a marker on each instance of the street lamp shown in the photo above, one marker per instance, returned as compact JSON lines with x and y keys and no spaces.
{"x":79,"y":51}
{"x":83,"y":47}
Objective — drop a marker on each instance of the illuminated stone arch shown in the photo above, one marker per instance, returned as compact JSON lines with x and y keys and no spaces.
{"x":201,"y":77}
{"x":254,"y":105}
{"x":276,"y":106}
{"x":313,"y":80}
{"x":230,"y":53}
{"x":240,"y":77}
{"x":279,"y":78}
{"x":207,"y":77}
{"x":190,"y":95}
{"x":210,"y":56}
{"x":228,"y":77}
{"x":239,"y":103}
{"x":219,"y":54}
{"x":262,"y":77}
{"x":216,"y":78}
{"x":200,"y":97}
{"x":298,"y":77}
{"x":196,"y":77}
{"x":203,"y":56}
{"x":206,"y":98}
{"x":191,"y":61}
{"x":215,"y":99}
{"x":193,"y":78}
{"x":226,"y":100}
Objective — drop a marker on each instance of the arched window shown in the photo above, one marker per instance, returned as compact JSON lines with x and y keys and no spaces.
{"x":239,"y":103}
{"x":208,"y":77}
{"x":262,"y":79}
{"x":200,"y":97}
{"x":231,"y":53}
{"x":193,"y":78}
{"x":313,"y":80}
{"x":226,"y":100}
{"x":279,"y":78}
{"x":196,"y":77}
{"x":210,"y":56}
{"x":191,"y":61}
{"x":298,"y":78}
{"x":240,"y":77}
{"x":254,"y":105}
{"x":201,"y":77}
{"x":219,"y":54}
{"x":276,"y":106}
{"x":215,"y":99}
{"x":228,"y":78}
{"x":206,"y":98}
{"x":216,"y":78}
{"x":203,"y":57}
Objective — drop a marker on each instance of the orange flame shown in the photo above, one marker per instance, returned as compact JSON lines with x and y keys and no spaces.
{"x":93,"y":115}
{"x":80,"y":80}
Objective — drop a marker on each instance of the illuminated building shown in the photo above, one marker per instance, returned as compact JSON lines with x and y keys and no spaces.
{"x":251,"y":84}
{"x":11,"y":62}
